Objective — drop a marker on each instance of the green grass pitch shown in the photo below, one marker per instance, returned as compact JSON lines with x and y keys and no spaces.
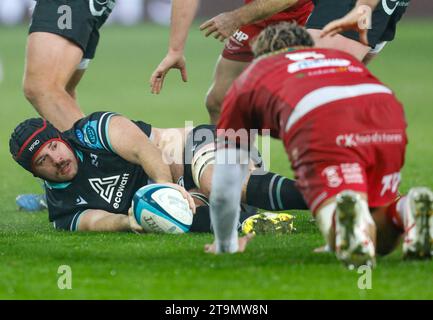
{"x":129,"y":266}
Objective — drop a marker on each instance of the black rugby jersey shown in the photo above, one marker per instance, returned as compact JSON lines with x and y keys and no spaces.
{"x":104,"y":180}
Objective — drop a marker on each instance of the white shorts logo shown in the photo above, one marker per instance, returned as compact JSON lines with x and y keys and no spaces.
{"x":333,"y":177}
{"x":389,"y":11}
{"x":390,"y":182}
{"x":351,"y":173}
{"x":102,"y":4}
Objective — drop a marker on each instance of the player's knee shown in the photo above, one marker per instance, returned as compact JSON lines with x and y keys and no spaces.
{"x":213,"y":103}
{"x":387,"y":235}
{"x":33,"y":90}
{"x":72,"y":92}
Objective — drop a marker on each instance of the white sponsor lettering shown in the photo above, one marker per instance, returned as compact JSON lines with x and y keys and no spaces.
{"x":317,"y":63}
{"x":356,"y":139}
{"x":352,"y":173}
{"x":120,"y":190}
{"x":240,"y":36}
{"x":304,"y":55}
{"x":34,"y":144}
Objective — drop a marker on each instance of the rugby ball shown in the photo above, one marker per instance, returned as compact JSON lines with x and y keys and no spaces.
{"x":159,"y":208}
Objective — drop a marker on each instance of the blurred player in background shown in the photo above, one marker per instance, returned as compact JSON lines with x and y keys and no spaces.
{"x":358,"y":19}
{"x":63,"y":38}
{"x":240,"y":26}
{"x":237,"y":54}
{"x":382,"y":24}
{"x":344,"y":133}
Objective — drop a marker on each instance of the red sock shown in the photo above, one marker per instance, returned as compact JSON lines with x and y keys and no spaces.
{"x":394,"y":216}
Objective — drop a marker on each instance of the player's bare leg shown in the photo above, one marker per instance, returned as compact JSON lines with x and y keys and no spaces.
{"x":51,"y":63}
{"x":410,"y":218}
{"x":71,"y":86}
{"x":340,"y":42}
{"x":226,"y":71}
{"x":348,"y":227}
{"x":388,"y":234}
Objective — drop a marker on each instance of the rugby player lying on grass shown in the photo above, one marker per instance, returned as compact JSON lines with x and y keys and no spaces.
{"x":93,"y":170}
{"x":345,"y":135}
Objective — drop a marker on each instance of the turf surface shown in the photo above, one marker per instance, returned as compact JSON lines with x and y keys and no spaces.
{"x":133,"y":266}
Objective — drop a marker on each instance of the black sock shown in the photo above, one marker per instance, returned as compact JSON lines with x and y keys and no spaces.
{"x":273,"y":192}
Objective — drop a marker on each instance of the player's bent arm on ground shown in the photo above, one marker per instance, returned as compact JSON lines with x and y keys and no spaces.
{"x":225,"y":24}
{"x":130,"y":143}
{"x":104,"y":221}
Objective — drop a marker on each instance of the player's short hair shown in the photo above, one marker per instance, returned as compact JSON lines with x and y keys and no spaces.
{"x":28,"y":137}
{"x":280,"y":36}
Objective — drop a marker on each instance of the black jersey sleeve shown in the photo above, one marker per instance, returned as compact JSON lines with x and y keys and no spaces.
{"x":92,"y":131}
{"x":69,"y":222}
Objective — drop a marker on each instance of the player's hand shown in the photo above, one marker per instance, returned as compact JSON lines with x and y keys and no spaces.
{"x":359,"y":19}
{"x":135,"y":227}
{"x":222,"y":26}
{"x":173,"y":60}
{"x":185,"y":194}
{"x":242,"y":242}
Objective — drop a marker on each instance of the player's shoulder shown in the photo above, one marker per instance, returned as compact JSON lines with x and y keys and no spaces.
{"x":257,"y":70}
{"x":92,"y":131}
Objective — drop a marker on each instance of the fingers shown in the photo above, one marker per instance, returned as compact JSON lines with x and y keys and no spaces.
{"x":190,"y":201}
{"x":185,"y":195}
{"x":211,"y":29}
{"x":206,"y":24}
{"x":133,"y":225}
{"x":183,"y":74}
{"x":331,"y":29}
{"x":156,"y":81}
{"x":219,"y":36}
{"x":363,"y":37}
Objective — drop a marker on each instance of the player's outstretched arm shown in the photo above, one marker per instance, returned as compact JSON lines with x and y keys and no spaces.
{"x":103,"y":221}
{"x":358,"y":19}
{"x":182,"y":15}
{"x":130,"y":143}
{"x":225,"y":24}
